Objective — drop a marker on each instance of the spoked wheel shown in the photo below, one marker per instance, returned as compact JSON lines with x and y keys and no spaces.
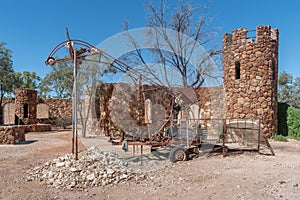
{"x":178,"y":153}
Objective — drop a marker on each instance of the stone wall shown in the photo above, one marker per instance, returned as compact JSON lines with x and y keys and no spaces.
{"x":250,"y":70}
{"x":56,"y":108}
{"x":211,"y":104}
{"x":118,"y":112}
{"x":108,"y":127}
{"x":42,"y":110}
{"x":7,"y":115}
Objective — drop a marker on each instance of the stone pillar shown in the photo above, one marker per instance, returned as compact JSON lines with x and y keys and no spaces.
{"x":92,"y":110}
{"x":25,"y":106}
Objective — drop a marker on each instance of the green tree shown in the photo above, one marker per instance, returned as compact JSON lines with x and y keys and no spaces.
{"x":6,"y":71}
{"x":59,"y":82}
{"x":289,"y":89}
{"x":293,"y":121}
{"x":28,"y":80}
{"x":285,"y":81}
{"x":296,"y":93}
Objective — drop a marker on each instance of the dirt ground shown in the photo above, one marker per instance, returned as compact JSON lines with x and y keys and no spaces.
{"x":238,"y":176}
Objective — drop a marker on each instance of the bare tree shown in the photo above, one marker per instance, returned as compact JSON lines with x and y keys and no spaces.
{"x":177,"y":38}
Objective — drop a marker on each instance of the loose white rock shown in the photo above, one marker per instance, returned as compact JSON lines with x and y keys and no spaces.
{"x":94,"y":167}
{"x":91,"y":177}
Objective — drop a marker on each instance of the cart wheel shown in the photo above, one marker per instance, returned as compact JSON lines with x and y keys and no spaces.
{"x":178,"y":153}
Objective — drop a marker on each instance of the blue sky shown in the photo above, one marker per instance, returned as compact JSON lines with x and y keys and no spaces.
{"x":32,"y":28}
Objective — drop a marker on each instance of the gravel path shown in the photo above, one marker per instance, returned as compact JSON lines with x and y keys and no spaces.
{"x":235,"y":177}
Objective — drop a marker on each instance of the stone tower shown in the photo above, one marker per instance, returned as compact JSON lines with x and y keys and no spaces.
{"x":25,"y":106}
{"x":250,"y":68}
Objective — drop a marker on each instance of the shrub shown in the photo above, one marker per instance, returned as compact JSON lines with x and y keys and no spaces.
{"x":293,"y":122}
{"x":63,"y":121}
{"x":282,"y":119}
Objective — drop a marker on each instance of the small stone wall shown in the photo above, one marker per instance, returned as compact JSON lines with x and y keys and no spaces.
{"x":12,"y":134}
{"x":38,"y":127}
{"x":16,"y":134}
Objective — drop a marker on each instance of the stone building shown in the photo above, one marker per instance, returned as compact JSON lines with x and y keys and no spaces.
{"x":250,"y":70}
{"x":27,"y":108}
{"x":249,"y":91}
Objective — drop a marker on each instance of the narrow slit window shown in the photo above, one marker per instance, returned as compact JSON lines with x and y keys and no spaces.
{"x":237,"y":70}
{"x":273,"y":70}
{"x":25,"y":110}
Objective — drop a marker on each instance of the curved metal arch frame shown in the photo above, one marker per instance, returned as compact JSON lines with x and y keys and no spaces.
{"x":85,"y":47}
{"x":90,"y":50}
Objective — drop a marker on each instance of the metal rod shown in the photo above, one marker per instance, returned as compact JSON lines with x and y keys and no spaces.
{"x":73,"y":125}
{"x":73,"y":122}
{"x":223,"y":136}
{"x":141,"y":154}
{"x":75,"y":104}
{"x":259,"y":136}
{"x":187,"y":132}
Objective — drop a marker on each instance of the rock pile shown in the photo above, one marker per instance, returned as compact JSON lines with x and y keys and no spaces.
{"x":93,"y":168}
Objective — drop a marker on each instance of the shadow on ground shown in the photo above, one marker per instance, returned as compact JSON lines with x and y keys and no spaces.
{"x":27,"y":142}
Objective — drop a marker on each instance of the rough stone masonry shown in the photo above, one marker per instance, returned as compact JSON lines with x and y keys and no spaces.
{"x":250,"y":70}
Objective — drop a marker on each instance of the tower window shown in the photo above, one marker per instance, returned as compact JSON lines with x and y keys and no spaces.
{"x":273,"y":69}
{"x":237,"y":70}
{"x":25,"y":110}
